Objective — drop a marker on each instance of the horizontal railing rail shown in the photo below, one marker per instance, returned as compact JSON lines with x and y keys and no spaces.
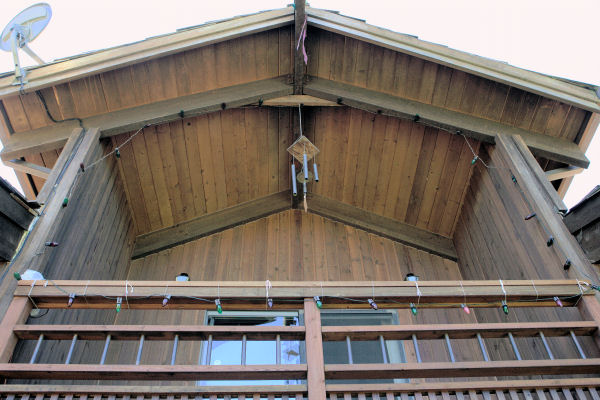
{"x":252,"y":295}
{"x":309,"y":297}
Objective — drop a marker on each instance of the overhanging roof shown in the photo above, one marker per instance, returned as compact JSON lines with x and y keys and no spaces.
{"x":70,"y":69}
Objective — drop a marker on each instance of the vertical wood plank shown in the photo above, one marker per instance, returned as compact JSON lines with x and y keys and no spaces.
{"x":314,"y":351}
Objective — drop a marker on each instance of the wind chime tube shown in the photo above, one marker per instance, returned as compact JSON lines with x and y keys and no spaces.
{"x":294,"y":189}
{"x":316,"y":172}
{"x":305,"y":166}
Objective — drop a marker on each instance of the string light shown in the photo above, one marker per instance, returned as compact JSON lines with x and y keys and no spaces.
{"x":464,"y":305}
{"x":466,"y":308}
{"x":218,"y":306}
{"x":270,"y":303}
{"x":528,"y":217}
{"x":166,"y":300}
{"x":51,"y":244}
{"x":65,"y":202}
{"x":81,"y":167}
{"x":567,"y":264}
{"x":550,"y":241}
{"x":17,"y":276}
{"x":372,"y":304}
{"x":558,"y":302}
{"x":71,"y":299}
{"x":318,"y":301}
{"x":119,"y":302}
{"x":413,"y":309}
{"x":474,"y":160}
{"x":117,"y":152}
{"x":504,"y":307}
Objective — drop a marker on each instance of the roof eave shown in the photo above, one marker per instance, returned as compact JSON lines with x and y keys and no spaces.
{"x":121,"y":56}
{"x":495,"y":70}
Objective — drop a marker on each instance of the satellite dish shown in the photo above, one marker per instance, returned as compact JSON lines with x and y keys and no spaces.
{"x":21,"y":30}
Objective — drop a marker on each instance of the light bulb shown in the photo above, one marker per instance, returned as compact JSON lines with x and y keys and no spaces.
{"x":466,"y":308}
{"x":166,"y":300}
{"x":372,"y":304}
{"x":504,"y":307}
{"x":218,"y":304}
{"x":413,"y":309}
{"x":558,"y":302}
{"x":318,"y":301}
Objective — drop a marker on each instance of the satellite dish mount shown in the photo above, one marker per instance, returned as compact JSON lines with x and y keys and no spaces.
{"x":21,"y":30}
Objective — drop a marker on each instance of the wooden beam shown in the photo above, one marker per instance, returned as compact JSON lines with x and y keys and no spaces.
{"x":120,"y":56}
{"x":28,"y":168}
{"x":250,"y":295}
{"x":465,"y":386}
{"x":299,"y":27}
{"x":383,"y":226}
{"x":315,"y":379}
{"x":538,"y":174}
{"x":130,"y":119}
{"x":152,"y":372}
{"x":293,"y":100}
{"x":159,"y":332}
{"x":452,"y":121}
{"x":463,"y":369}
{"x":562,"y":173}
{"x":537,"y":195}
{"x":530,"y":81}
{"x":205,"y":225}
{"x":17,"y":313}
{"x":454,"y":331}
{"x":589,"y":308}
{"x":579,"y":217}
{"x":129,"y":390}
{"x":584,"y":141}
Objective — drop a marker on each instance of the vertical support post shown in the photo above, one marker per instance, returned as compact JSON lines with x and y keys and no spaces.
{"x":576,"y":342}
{"x":383,"y":349}
{"x":37,"y":349}
{"x":140,"y":349}
{"x":449,"y":346}
{"x":314,"y":351}
{"x":105,"y":351}
{"x":541,"y":195}
{"x":16,"y":314}
{"x":299,"y":17}
{"x":546,"y":345}
{"x":244,"y":342}
{"x":514,"y":346}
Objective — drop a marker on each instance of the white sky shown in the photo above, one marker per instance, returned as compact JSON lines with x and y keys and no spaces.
{"x":550,"y":36}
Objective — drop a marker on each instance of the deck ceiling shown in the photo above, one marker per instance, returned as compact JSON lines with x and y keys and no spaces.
{"x":389,"y":166}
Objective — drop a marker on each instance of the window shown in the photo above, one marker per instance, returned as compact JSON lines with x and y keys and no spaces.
{"x":293,"y":352}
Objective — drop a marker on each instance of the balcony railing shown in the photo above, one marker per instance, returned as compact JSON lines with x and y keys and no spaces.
{"x":319,"y":377}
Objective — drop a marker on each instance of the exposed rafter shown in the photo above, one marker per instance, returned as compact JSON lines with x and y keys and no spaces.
{"x":116,"y":122}
{"x":28,"y":168}
{"x":562,"y":173}
{"x":211,"y":223}
{"x":383,"y":226}
{"x":481,"y":129}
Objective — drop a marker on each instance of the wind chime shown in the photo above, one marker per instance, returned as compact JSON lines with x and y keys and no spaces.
{"x":302,"y":150}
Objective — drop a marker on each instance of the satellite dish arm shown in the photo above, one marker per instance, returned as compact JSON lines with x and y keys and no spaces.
{"x":31,"y":54}
{"x":19,"y":72}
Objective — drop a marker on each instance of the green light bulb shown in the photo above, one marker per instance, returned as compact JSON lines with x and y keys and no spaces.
{"x":474,"y":160}
{"x":65,"y":202}
{"x":413,"y":309}
{"x":505,"y":307}
{"x":17,"y":276}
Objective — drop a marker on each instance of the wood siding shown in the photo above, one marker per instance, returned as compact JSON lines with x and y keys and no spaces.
{"x":95,"y":242}
{"x":178,"y":171}
{"x":292,"y":245}
{"x":260,"y":56}
{"x":392,"y":167}
{"x":494,"y":241}
{"x":336,"y":57}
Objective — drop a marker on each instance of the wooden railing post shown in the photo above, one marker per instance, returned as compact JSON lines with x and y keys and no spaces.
{"x":16,"y":314}
{"x":589,"y":307}
{"x":314,"y":351}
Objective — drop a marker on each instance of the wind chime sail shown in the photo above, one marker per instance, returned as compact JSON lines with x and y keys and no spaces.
{"x":302,"y":150}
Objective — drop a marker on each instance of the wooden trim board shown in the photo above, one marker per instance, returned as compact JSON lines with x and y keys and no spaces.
{"x":28,"y":168}
{"x":205,"y":225}
{"x":383,"y":226}
{"x":117,"y":122}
